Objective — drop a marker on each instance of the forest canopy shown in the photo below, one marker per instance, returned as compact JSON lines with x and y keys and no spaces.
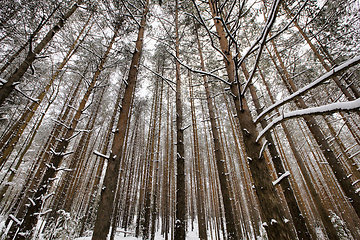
{"x":219,"y":119}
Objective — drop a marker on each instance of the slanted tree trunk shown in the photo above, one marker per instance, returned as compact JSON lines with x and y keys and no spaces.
{"x":298,"y":218}
{"x":34,"y":33}
{"x":314,"y":128}
{"x":103,"y":220}
{"x":324,"y":215}
{"x":8,"y":142}
{"x":37,"y":171}
{"x":30,"y":218}
{"x":7,"y":88}
{"x":269,"y":201}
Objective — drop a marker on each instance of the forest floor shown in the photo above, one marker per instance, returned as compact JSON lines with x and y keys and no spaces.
{"x":193,"y":235}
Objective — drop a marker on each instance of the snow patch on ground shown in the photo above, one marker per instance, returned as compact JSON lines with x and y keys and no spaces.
{"x":193,"y":235}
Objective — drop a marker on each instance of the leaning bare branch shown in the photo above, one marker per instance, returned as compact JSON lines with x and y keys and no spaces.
{"x":283,"y":29}
{"x":168,"y":81}
{"x":330,"y":108}
{"x":347,"y":64}
{"x":262,"y":41}
{"x":28,"y":97}
{"x":199,"y":71}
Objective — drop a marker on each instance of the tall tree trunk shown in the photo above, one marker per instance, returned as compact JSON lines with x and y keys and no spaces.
{"x":220,"y":158}
{"x":151,"y":158}
{"x":30,"y":218}
{"x":270,"y":203}
{"x":198,"y":170}
{"x":298,"y":218}
{"x":180,"y":218}
{"x":103,"y":220}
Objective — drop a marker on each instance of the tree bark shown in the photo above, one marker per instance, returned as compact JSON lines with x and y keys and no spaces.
{"x":180,"y":218}
{"x":314,"y":128}
{"x":103,"y":220}
{"x":269,"y":201}
{"x":30,"y":218}
{"x":220,"y":159}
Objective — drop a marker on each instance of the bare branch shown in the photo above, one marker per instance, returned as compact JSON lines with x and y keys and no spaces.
{"x":330,"y":108}
{"x":347,"y":64}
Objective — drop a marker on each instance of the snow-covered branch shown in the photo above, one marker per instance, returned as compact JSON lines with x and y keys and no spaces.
{"x":17,"y":221}
{"x":58,"y":122}
{"x":282,"y":30}
{"x":43,"y":213}
{"x":263,"y":148}
{"x":330,"y":108}
{"x":101,"y":155}
{"x":168,"y":81}
{"x":28,"y":97}
{"x":60,"y":154}
{"x":286,"y":174}
{"x":347,"y":64}
{"x":184,"y":128}
{"x":199,"y":71}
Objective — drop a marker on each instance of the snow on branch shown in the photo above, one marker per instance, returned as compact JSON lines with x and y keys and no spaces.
{"x":282,"y":30}
{"x":63,"y":124}
{"x":17,"y":221}
{"x":64,"y":169}
{"x":60,"y":154}
{"x":347,"y":64}
{"x":2,"y":81}
{"x":184,"y":128}
{"x":43,"y":213}
{"x":329,"y":108}
{"x":101,"y":155}
{"x":198,"y":71}
{"x":44,"y":198}
{"x":58,"y":169}
{"x":261,"y":40}
{"x":263,"y":148}
{"x":284,"y":175}
{"x":168,"y":81}
{"x":28,"y":97}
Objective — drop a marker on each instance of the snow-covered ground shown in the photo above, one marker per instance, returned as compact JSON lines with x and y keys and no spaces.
{"x":193,"y":235}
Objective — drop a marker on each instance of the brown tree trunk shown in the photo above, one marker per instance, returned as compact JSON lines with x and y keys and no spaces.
{"x":324,"y":215}
{"x":198,"y":170}
{"x":314,"y":128}
{"x":8,"y":142}
{"x":30,"y":218}
{"x":151,"y":158}
{"x":103,"y":220}
{"x":180,"y":218}
{"x":270,"y":203}
{"x":298,"y":218}
{"x":220,"y":159}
